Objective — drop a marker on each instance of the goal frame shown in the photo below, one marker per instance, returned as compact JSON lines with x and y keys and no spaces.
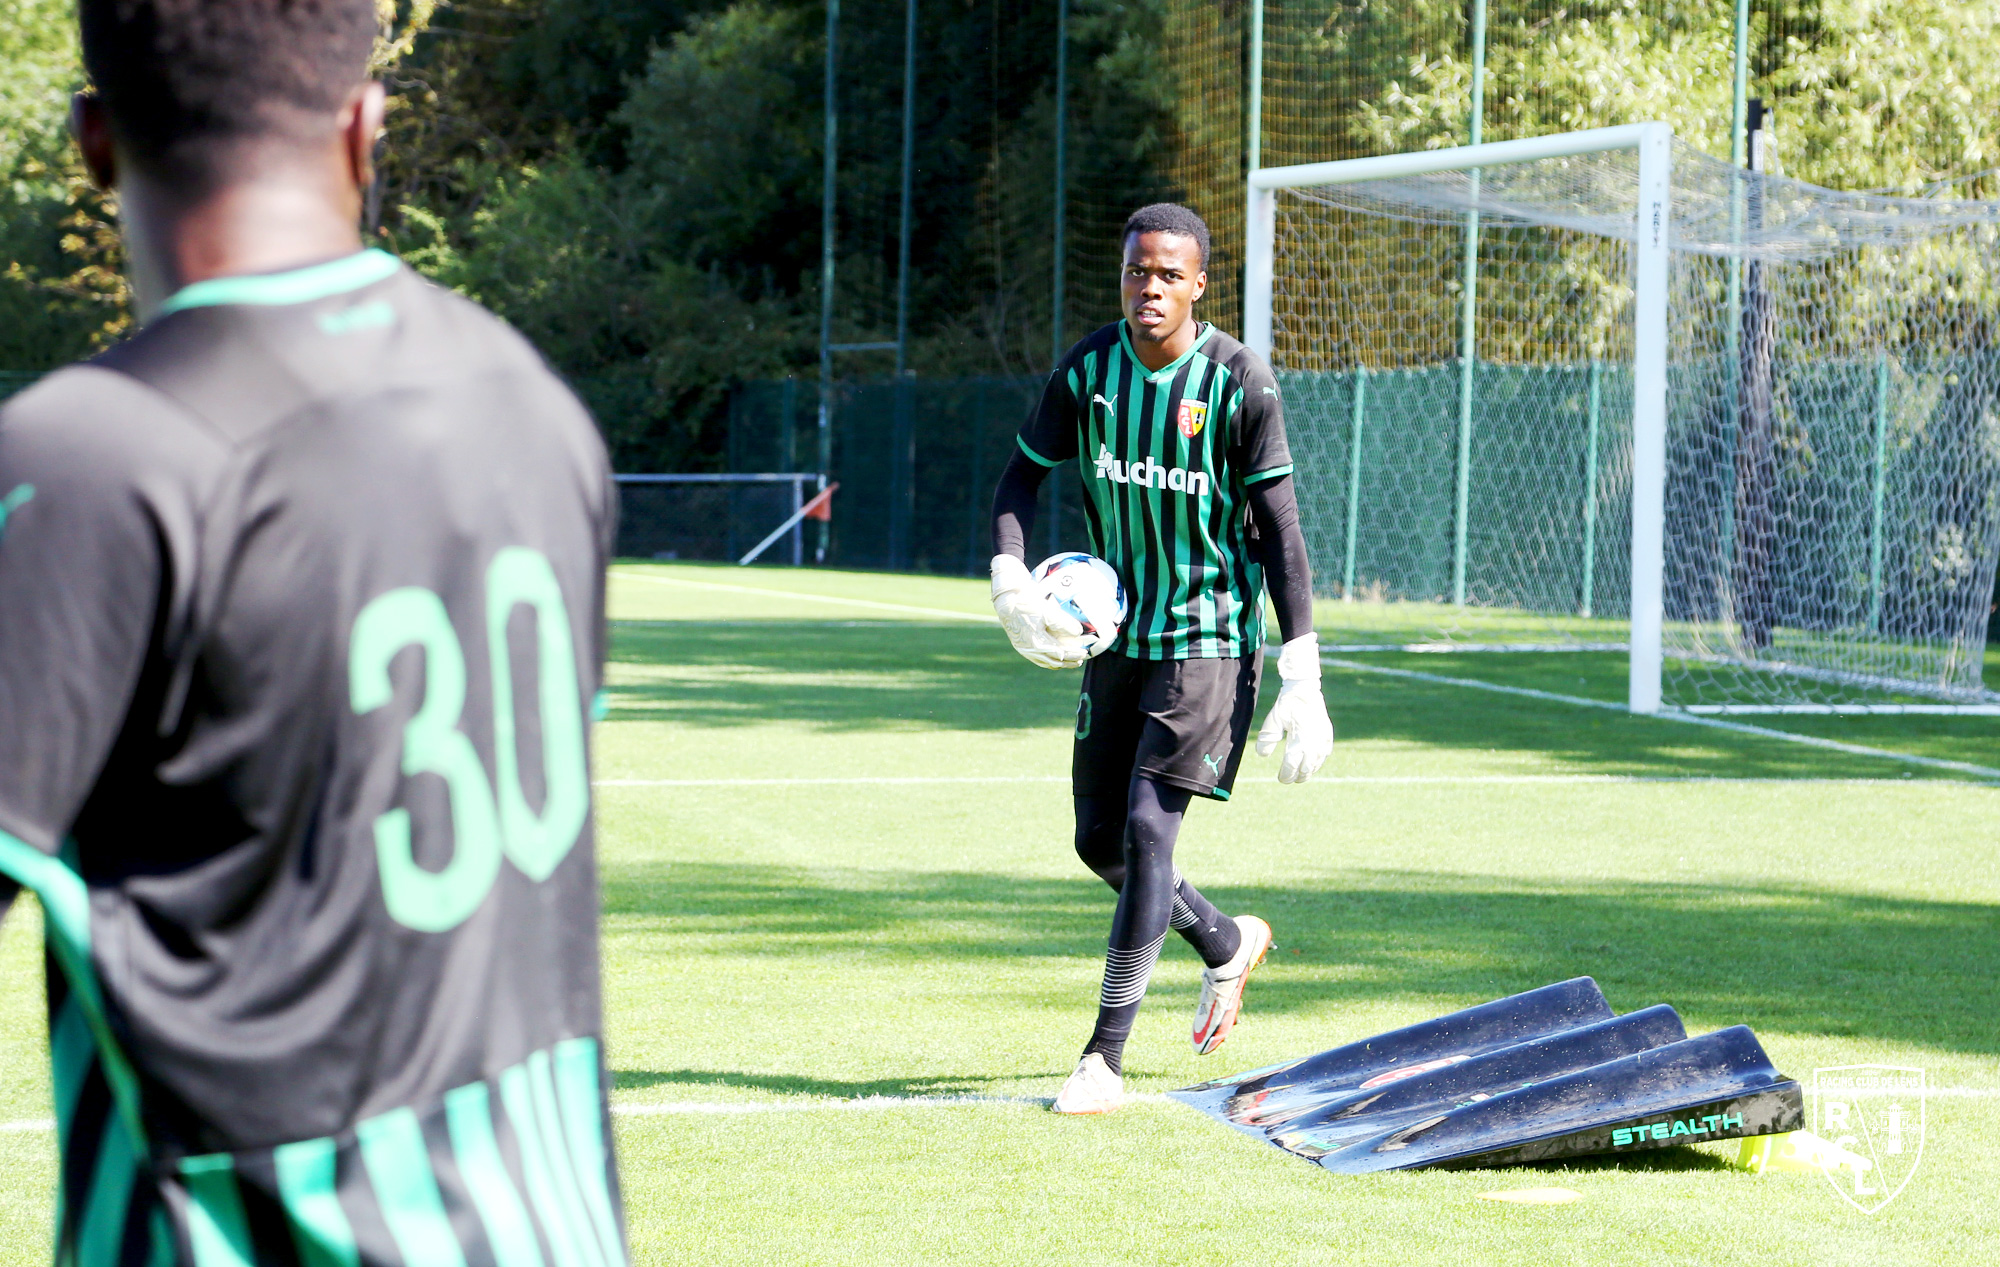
{"x":1654,"y":144}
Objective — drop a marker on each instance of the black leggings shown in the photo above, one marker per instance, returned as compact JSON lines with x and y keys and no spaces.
{"x":1131,"y":847}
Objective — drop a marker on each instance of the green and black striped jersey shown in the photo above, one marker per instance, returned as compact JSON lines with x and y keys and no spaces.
{"x":1165,"y":456}
{"x":301,"y":621}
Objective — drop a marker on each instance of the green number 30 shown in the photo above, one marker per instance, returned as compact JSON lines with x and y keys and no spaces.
{"x":483,"y":826}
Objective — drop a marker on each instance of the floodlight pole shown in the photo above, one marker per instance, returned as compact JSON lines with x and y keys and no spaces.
{"x":1467,"y":316}
{"x":826,"y":244}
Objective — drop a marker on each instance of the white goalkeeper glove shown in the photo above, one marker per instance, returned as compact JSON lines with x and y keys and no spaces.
{"x":1038,"y":629}
{"x":1299,"y":716}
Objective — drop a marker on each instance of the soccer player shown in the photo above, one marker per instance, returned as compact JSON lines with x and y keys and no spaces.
{"x":1180,"y":439}
{"x":301,"y":618}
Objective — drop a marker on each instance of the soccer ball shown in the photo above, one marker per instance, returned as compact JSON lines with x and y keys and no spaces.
{"x":1088,"y":590}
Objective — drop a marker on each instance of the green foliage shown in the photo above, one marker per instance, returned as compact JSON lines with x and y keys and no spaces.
{"x":725,"y":137}
{"x":1868,"y":95}
{"x":651,"y":342}
{"x":47,"y":316}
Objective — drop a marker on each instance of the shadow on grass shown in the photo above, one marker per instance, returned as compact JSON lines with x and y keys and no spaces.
{"x":1799,"y":960}
{"x":951,"y":677}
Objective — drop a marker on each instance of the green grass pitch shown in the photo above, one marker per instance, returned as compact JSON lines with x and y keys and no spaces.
{"x":835,"y":843}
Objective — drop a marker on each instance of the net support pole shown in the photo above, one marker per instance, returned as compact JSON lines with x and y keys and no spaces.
{"x":1468,"y":317}
{"x":1253,"y":139}
{"x":1649,"y":415}
{"x":1594,"y":410}
{"x":1354,"y":481}
{"x":1879,"y":492}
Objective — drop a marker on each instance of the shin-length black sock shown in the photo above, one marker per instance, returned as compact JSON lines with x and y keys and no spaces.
{"x":1152,"y":896}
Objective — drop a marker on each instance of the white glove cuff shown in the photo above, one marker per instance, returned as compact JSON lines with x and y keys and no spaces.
{"x":1009,"y":575}
{"x":1298,"y":660}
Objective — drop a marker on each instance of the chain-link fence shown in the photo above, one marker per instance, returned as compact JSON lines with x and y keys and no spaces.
{"x":916,"y":462}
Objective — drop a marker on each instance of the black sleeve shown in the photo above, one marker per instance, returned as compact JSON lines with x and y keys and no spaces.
{"x":83,"y":550}
{"x":1257,"y":444}
{"x":1280,"y":546}
{"x":1050,"y":435}
{"x":1014,"y":505}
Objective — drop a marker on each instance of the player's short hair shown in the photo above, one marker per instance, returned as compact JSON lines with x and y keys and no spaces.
{"x":180,"y":76}
{"x":1168,"y":217}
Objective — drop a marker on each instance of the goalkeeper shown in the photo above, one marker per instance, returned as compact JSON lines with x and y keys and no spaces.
{"x":1180,"y":437}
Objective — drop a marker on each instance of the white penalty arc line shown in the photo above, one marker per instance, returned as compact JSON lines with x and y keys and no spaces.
{"x":1745,"y":728}
{"x":1345,"y":780}
{"x":984,"y":618}
{"x":901,"y":1103}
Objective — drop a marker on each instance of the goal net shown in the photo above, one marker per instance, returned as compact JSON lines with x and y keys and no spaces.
{"x":1806,"y":515}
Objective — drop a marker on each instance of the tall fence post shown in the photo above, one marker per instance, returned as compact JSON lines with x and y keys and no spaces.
{"x":826,"y":245}
{"x":1880,"y":491}
{"x":1354,"y":481}
{"x":1594,"y":411}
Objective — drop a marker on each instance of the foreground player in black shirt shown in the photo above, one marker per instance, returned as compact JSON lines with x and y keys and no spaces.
{"x":301,"y":618}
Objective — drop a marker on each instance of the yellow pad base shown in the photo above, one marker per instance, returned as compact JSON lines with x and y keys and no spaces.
{"x":1799,"y":1152}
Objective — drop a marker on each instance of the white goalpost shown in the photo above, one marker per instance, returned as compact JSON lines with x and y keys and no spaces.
{"x":1597,"y":392}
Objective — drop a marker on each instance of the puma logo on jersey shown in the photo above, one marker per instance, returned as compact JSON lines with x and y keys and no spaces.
{"x":1110,"y":406}
{"x":1150,"y":474}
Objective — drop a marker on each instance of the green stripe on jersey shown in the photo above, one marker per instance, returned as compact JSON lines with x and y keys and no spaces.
{"x":217,"y":1230}
{"x":538,"y":1168}
{"x":101,"y":1221}
{"x":1164,"y":505}
{"x":399,"y":1169}
{"x":469,"y":1117}
{"x":307,"y":1185}
{"x":580,"y":1088}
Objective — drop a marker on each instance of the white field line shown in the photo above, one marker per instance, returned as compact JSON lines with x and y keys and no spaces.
{"x":897,"y":1103}
{"x":1744,"y":728}
{"x":860,"y":780}
{"x":985,"y":618}
{"x":1500,"y":780}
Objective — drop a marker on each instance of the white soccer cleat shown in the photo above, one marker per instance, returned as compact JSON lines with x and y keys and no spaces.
{"x":1093,"y":1088}
{"x":1222,"y":988}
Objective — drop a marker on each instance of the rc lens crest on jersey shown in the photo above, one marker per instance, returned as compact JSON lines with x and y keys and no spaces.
{"x":1194,"y":415}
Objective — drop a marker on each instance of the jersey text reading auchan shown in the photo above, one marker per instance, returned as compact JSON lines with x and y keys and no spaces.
{"x":1150,"y":474}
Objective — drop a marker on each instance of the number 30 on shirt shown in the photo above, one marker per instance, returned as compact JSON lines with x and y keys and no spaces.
{"x":484,"y":826}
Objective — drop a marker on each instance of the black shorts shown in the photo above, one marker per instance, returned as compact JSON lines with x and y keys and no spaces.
{"x":1178,"y":722}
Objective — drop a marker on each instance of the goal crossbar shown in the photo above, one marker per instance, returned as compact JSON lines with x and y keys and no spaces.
{"x":1654,"y":145}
